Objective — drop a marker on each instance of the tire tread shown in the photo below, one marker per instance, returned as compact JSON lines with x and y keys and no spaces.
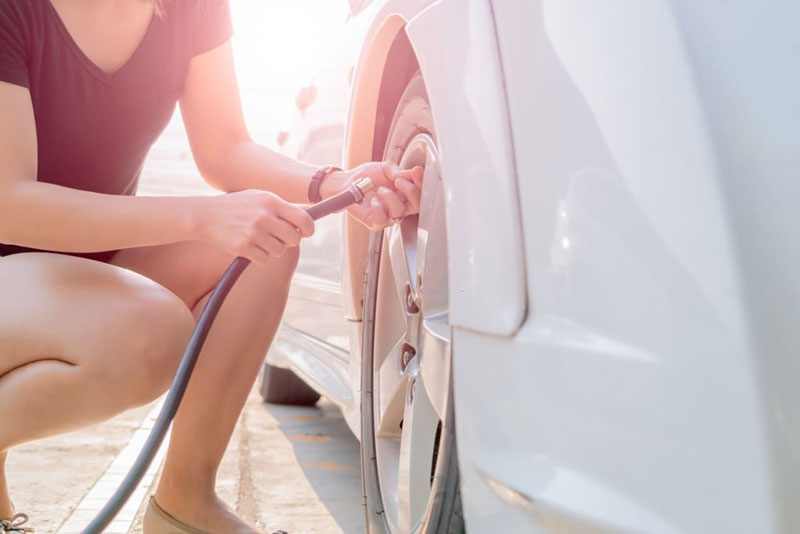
{"x":282,"y":386}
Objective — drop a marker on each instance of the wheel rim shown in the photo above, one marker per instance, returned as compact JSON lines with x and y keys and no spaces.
{"x":412,"y":348}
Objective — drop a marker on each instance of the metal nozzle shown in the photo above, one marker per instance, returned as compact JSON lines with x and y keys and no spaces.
{"x":362,"y":187}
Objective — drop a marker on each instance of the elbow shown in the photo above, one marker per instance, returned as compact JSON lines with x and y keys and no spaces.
{"x":217,"y":165}
{"x":210,"y":174}
{"x":207,"y":163}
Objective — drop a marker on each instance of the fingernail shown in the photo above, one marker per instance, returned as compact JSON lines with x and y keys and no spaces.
{"x":384,"y":189}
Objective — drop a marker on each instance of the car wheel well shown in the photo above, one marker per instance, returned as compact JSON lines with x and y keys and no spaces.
{"x":396,"y":70}
{"x":401,"y":65}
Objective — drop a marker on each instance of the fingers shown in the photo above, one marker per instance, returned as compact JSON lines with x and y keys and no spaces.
{"x":272,"y":246}
{"x":409,"y":183}
{"x":413,"y":175}
{"x":298,"y":217}
{"x":266,"y":236}
{"x":286,"y":232}
{"x":377,"y":217}
{"x":394,"y":205}
{"x":397,"y":195}
{"x":257,"y":255}
{"x":410,"y":191}
{"x":364,"y":214}
{"x":382,"y":173}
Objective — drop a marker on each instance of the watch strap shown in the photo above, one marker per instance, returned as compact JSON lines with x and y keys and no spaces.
{"x":314,"y":194}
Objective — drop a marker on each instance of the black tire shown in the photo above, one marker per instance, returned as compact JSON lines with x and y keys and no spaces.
{"x":282,"y":386}
{"x":444,"y":515}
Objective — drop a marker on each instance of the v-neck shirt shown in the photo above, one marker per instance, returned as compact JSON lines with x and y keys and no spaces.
{"x":94,"y":128}
{"x":70,"y":41}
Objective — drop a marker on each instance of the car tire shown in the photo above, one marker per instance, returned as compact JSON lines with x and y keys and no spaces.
{"x":443,"y":513}
{"x":282,"y":386}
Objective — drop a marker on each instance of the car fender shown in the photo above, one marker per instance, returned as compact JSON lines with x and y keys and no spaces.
{"x":456,"y":48}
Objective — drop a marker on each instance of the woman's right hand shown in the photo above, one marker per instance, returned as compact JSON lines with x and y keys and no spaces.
{"x":257,"y":225}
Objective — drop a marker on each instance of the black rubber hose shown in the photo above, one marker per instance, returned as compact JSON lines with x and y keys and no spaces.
{"x":352,"y":195}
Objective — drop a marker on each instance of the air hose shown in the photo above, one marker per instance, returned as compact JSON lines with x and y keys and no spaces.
{"x":352,"y":195}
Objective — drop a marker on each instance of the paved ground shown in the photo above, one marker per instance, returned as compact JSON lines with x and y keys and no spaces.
{"x":286,"y":467}
{"x":48,"y":478}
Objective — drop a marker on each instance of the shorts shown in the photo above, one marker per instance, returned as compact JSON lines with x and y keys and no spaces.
{"x":104,"y":256}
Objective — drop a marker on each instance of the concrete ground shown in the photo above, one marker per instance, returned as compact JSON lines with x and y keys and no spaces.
{"x":289,"y":468}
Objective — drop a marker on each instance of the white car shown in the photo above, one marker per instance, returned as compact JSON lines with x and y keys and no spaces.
{"x":592,"y":326}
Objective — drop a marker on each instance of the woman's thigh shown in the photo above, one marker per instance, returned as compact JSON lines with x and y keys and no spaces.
{"x":191,"y":269}
{"x":83,"y":312}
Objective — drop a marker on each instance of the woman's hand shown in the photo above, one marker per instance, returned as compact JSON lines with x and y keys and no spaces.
{"x":255,"y":224}
{"x":396,"y":194}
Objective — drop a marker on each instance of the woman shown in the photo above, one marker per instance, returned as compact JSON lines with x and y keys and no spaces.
{"x":97,"y":325}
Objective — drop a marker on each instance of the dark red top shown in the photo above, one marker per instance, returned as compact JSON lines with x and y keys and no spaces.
{"x":94,"y":129}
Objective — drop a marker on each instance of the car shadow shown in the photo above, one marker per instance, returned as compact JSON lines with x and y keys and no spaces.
{"x":328,"y":454}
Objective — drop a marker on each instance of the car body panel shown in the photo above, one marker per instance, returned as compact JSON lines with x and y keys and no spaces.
{"x":640,"y":395}
{"x":463,"y":75}
{"x":636,"y":169}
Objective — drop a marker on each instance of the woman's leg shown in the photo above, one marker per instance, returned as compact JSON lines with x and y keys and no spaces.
{"x":225,"y":371}
{"x":80,"y":341}
{"x":6,"y":507}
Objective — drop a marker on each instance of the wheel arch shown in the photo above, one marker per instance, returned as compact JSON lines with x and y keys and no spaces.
{"x":386,"y":60}
{"x":453,"y":43}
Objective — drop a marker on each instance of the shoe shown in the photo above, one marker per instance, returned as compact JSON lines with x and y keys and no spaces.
{"x":14,"y":524}
{"x":157,"y":521}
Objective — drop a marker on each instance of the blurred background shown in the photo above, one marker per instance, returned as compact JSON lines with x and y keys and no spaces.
{"x":278,"y":46}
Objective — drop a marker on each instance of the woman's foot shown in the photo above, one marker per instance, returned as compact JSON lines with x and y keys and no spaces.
{"x":206,"y":513}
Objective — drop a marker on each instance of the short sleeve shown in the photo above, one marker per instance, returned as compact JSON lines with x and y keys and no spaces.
{"x":213,"y":25}
{"x":13,"y":62}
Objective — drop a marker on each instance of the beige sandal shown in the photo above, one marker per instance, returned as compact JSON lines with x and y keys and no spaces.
{"x":158,"y":521}
{"x":14,"y":524}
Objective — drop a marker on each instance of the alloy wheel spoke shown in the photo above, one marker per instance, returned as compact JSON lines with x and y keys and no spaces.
{"x":391,"y":389}
{"x":435,"y":344}
{"x":402,"y":254}
{"x":420,"y":423}
{"x":431,"y":265}
{"x":390,"y":312}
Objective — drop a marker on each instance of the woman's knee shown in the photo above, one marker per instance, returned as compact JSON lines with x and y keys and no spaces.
{"x":274,"y":276}
{"x":288,"y":262}
{"x":283,"y":267}
{"x":124,"y":330}
{"x":154,"y":331}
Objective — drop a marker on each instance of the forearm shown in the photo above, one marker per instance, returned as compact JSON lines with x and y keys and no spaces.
{"x":247,"y":165}
{"x":51,"y":217}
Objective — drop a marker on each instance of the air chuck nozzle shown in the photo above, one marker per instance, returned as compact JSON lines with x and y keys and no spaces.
{"x":364,"y":186}
{"x":352,"y":195}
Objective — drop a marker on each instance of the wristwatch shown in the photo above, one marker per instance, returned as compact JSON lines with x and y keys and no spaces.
{"x":314,"y":195}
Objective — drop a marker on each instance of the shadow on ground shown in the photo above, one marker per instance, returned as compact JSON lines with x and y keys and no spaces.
{"x":326,"y":453}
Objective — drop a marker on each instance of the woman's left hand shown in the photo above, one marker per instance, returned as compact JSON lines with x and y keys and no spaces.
{"x":396,"y":193}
